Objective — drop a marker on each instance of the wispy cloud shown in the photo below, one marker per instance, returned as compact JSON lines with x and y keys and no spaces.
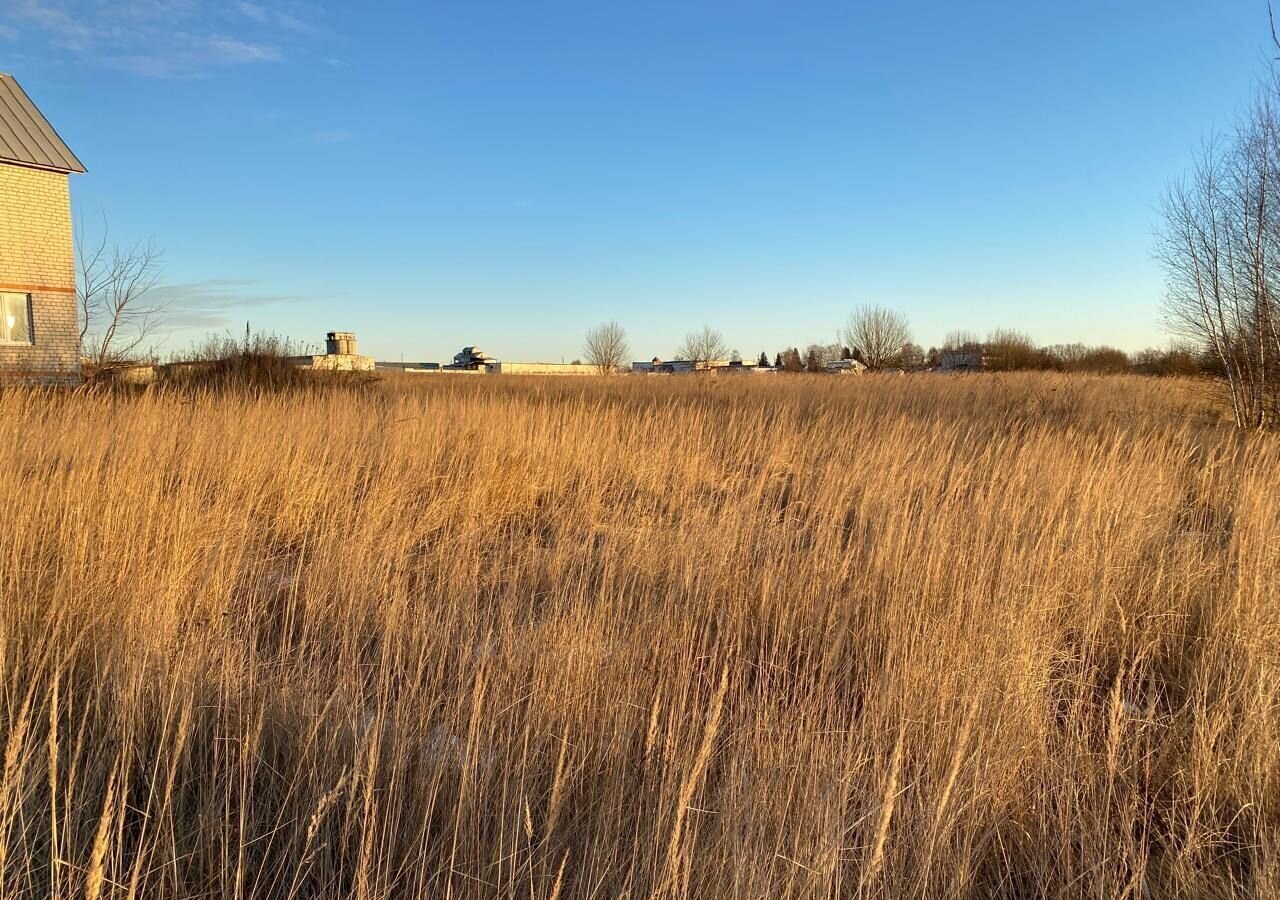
{"x":264,"y":15}
{"x":231,"y":50}
{"x":214,"y":303}
{"x":64,"y":29}
{"x":192,"y":57}
{"x":336,"y":136}
{"x":162,"y":38}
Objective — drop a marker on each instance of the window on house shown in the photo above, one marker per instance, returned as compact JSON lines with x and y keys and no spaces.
{"x":15,"y":318}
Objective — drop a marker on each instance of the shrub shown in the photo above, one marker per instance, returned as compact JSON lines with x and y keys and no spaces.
{"x":257,"y":363}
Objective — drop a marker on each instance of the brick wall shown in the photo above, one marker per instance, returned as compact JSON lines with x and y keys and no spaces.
{"x":37,"y":258}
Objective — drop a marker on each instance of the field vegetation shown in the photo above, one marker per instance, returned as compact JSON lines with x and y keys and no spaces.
{"x":898,"y":636}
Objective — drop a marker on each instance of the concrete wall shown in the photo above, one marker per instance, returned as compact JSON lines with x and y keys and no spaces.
{"x":335,"y":362}
{"x":37,"y":258}
{"x":396,"y":369}
{"x":507,"y":368}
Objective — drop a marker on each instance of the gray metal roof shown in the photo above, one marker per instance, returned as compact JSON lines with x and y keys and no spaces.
{"x":26,"y":137}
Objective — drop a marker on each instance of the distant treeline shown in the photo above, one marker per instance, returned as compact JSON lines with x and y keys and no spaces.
{"x":1007,"y":351}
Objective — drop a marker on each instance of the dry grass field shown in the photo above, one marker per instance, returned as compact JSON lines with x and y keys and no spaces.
{"x":885,"y":637}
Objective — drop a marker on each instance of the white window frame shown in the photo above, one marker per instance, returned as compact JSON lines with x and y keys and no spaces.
{"x":7,"y":297}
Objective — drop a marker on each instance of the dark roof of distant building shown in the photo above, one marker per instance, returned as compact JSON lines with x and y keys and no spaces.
{"x":26,"y":137}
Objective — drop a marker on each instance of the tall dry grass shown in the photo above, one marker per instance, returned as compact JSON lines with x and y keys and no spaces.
{"x":881,"y":637}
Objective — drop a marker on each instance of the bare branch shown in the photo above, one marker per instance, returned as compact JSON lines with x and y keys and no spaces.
{"x":115,"y":292}
{"x":606,"y":347}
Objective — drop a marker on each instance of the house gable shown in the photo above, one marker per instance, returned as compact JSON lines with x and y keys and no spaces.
{"x":26,"y":136}
{"x":39,"y":322}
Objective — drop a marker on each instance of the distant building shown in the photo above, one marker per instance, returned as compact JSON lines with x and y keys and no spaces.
{"x":471,"y":358}
{"x":39,"y":322}
{"x":339,"y":356}
{"x":845,"y":367}
{"x":961,"y":361}
{"x":657,"y":365}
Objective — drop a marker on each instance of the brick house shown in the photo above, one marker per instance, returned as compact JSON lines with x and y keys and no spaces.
{"x":39,"y":331}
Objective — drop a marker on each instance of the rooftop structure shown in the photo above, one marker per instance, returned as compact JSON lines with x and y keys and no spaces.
{"x":26,"y":137}
{"x":471,"y":358}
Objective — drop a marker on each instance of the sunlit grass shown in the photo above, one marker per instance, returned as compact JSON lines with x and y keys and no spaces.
{"x":712,"y":637}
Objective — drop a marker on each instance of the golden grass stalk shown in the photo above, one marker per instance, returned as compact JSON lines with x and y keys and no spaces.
{"x":888,"y":799}
{"x":97,"y":855}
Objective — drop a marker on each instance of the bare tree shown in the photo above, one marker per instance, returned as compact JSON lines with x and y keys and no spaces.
{"x":790,"y":360}
{"x":826,"y":353}
{"x":1008,"y":350}
{"x":877,"y":333}
{"x":912,"y":357}
{"x":961,"y":340}
{"x":115,"y":290}
{"x":1219,"y":250}
{"x":702,"y":347}
{"x":1220,"y":244}
{"x":813,"y":360}
{"x":818,"y":356}
{"x":606,"y":347}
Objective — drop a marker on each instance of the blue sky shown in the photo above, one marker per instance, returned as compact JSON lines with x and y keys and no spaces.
{"x":431,"y":175}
